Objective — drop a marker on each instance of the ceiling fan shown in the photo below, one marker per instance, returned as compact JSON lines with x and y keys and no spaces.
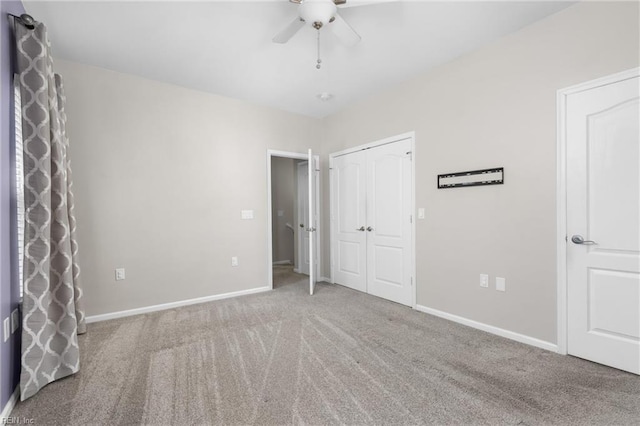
{"x":320,"y":13}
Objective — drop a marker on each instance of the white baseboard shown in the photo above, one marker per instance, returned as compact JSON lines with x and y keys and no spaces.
{"x":297,"y":271}
{"x":283,"y":262}
{"x":325,"y":279}
{"x":8,"y":408}
{"x":491,"y":329}
{"x":171,"y":305}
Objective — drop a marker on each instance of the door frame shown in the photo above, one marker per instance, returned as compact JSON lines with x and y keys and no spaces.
{"x":296,"y":156}
{"x":299,"y":240}
{"x":561,"y":196}
{"x":412,"y":137}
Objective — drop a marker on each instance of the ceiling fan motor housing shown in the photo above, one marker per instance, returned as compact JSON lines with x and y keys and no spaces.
{"x":318,"y":12}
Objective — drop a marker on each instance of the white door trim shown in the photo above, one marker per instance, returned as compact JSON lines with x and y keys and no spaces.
{"x":300,"y":208}
{"x":409,"y":135}
{"x":296,"y":156}
{"x":561,"y":194}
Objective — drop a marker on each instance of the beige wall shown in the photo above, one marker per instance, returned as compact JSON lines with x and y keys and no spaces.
{"x":161,"y":174}
{"x":282,"y":199}
{"x":495,"y":107}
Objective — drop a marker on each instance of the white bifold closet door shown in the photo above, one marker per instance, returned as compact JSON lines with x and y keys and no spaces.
{"x":371,"y":214}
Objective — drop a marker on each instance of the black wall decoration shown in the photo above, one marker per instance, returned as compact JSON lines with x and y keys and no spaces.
{"x":493,"y":176}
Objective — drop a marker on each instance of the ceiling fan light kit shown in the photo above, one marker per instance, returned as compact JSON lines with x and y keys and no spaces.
{"x":319,"y":13}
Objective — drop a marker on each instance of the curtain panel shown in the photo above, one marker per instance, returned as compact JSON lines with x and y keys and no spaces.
{"x":52,"y":313}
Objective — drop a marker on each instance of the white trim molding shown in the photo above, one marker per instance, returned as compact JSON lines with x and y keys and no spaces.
{"x":283,"y":262}
{"x":172,"y":305}
{"x":561,"y":195}
{"x":490,"y":329}
{"x":8,"y":408}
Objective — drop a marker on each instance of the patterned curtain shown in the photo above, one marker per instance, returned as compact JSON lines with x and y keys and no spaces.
{"x":52,"y":313}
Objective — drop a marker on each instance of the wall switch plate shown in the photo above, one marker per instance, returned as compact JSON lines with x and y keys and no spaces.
{"x":234,"y":261}
{"x":280,"y":213}
{"x":119,"y":274}
{"x":6,"y":328}
{"x":15,"y":320}
{"x":501,"y":284}
{"x":421,"y":213}
{"x":484,"y":280}
{"x":246,"y":214}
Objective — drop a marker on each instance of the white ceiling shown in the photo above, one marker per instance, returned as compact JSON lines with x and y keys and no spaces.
{"x":225,"y":47}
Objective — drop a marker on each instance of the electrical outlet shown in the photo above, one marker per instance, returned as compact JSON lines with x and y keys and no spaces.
{"x":246,"y":214}
{"x":234,"y":261}
{"x":501,"y":284}
{"x":119,"y":274}
{"x":15,"y":320}
{"x":6,"y":328}
{"x":484,"y":280}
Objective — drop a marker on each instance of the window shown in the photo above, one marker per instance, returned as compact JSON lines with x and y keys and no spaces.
{"x":19,"y":177}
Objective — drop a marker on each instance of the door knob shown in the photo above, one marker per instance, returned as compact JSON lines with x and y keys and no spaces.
{"x":577,"y":239}
{"x":302,"y":225}
{"x":360,"y":229}
{"x":369,"y":228}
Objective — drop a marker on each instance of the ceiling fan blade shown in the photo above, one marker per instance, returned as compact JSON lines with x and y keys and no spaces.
{"x":291,"y":29}
{"x":354,"y":3}
{"x":344,"y":32}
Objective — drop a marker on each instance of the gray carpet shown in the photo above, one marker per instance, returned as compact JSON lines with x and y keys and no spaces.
{"x":339,"y":357}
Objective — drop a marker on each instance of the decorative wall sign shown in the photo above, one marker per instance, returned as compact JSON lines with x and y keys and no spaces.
{"x":473,"y":178}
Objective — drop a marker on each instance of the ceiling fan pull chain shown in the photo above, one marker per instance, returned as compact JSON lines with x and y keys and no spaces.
{"x":319,"y":60}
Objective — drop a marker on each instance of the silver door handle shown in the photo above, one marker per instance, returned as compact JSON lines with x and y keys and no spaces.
{"x":369,"y":228}
{"x":311,"y":229}
{"x":577,"y":239}
{"x":360,"y":229}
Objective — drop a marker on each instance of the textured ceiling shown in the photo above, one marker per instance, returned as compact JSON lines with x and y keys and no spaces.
{"x":225,"y":47}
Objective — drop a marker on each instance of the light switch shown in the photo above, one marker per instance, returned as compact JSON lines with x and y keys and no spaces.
{"x":119,"y":274}
{"x":421,"y":213}
{"x":234,"y":261}
{"x":247,"y":214}
{"x":280,"y":213}
{"x":484,"y":280}
{"x":6,"y":328}
{"x":501,"y":284}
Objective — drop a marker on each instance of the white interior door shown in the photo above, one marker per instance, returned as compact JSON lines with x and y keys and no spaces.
{"x":349,"y":220}
{"x":603,"y":215}
{"x":372,"y":247}
{"x":313,"y":170}
{"x":389,"y":222}
{"x":303,"y":217}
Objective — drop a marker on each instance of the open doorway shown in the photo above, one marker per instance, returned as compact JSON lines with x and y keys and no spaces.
{"x":292,"y":219}
{"x":289,"y":196}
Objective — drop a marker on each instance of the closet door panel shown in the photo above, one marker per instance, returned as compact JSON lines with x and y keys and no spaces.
{"x":349,"y":219}
{"x":388,"y":222}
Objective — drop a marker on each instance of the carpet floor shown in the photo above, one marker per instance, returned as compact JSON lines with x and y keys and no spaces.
{"x":339,"y":357}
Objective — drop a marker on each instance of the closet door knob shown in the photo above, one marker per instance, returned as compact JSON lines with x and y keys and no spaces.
{"x":369,"y":228}
{"x":360,"y":229}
